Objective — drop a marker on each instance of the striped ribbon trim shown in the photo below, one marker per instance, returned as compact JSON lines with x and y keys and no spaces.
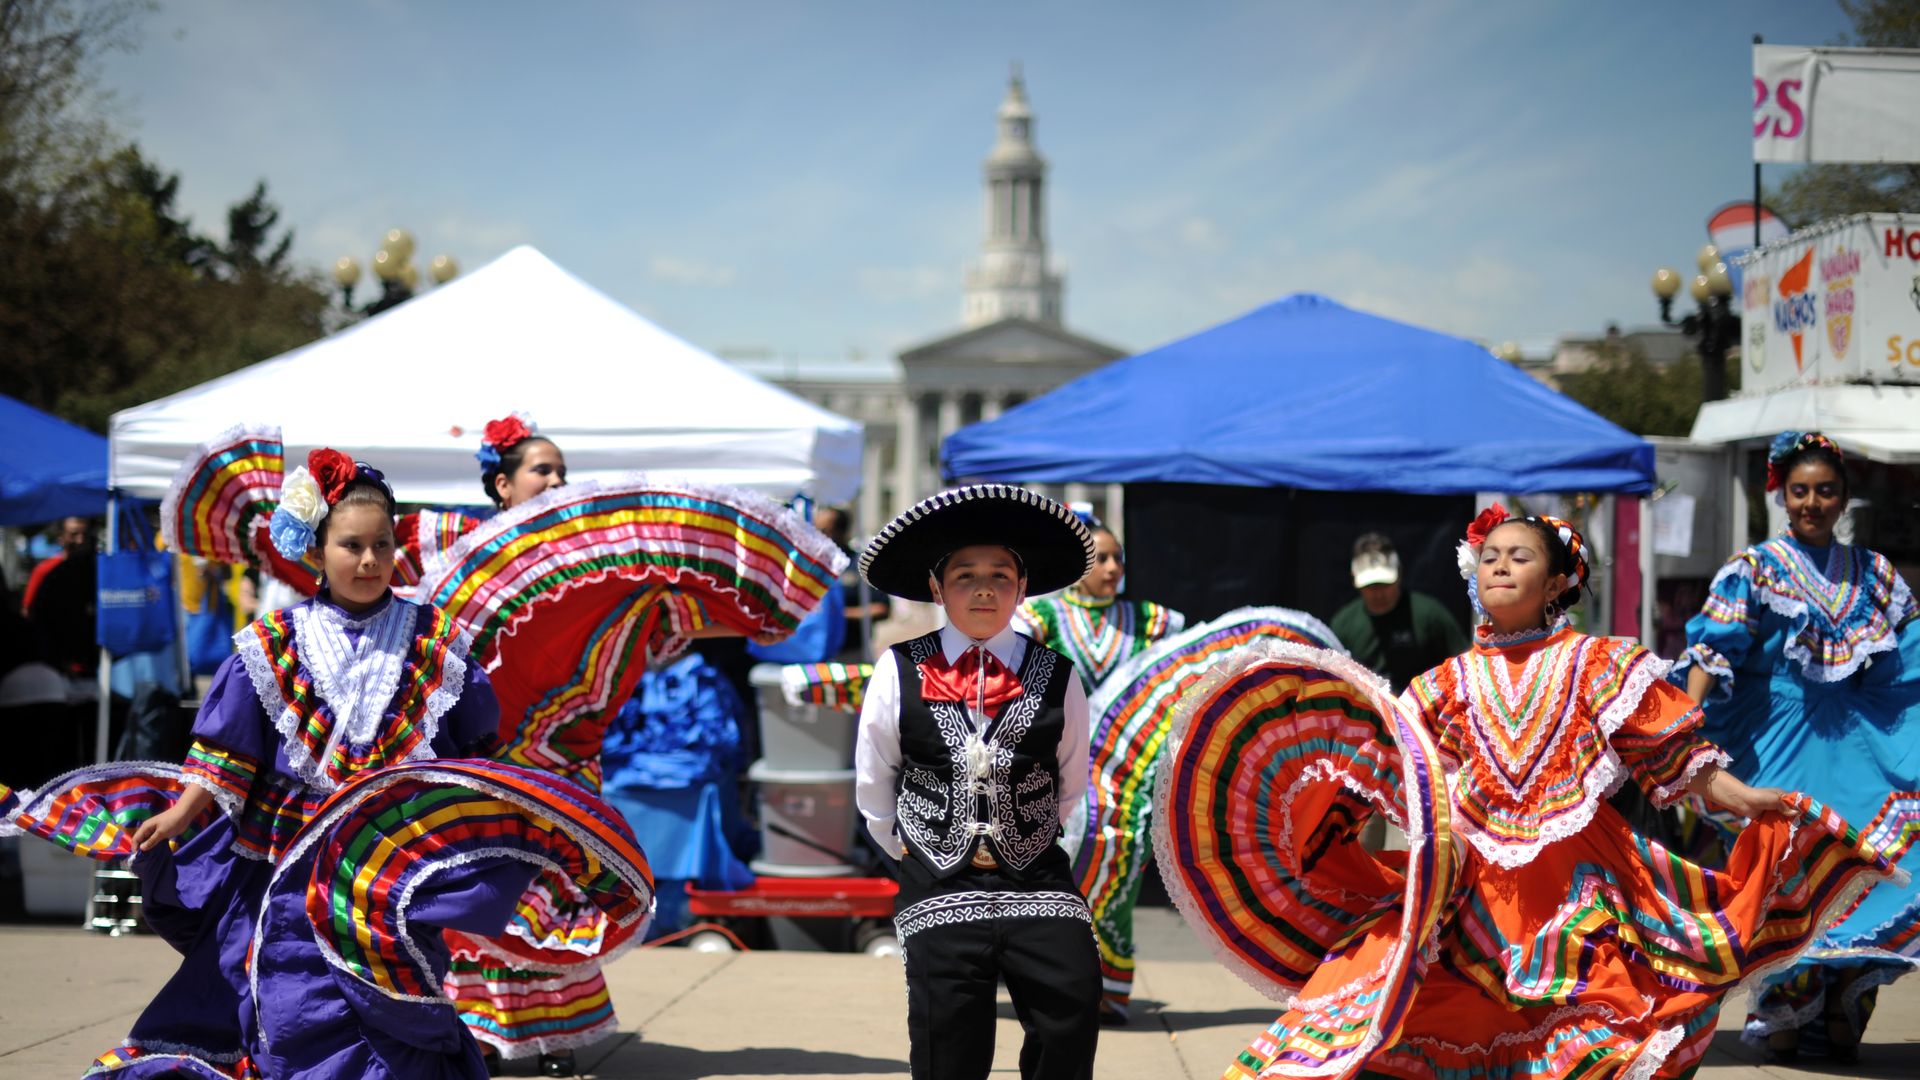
{"x":524,"y":1011}
{"x":760,"y":569}
{"x":184,"y":1061}
{"x":220,"y":491}
{"x":563,"y":730}
{"x":94,"y":811}
{"x":309,"y":721}
{"x":842,"y":687}
{"x":229,"y":774}
{"x":1132,"y":718}
{"x":389,"y":830}
{"x":1279,"y":752}
{"x":1099,"y":638}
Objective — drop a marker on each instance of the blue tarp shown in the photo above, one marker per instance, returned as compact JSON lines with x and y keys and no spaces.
{"x":1306,"y":393}
{"x":49,"y":469}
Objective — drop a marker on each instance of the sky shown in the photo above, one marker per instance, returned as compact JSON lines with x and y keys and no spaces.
{"x":803,"y":179}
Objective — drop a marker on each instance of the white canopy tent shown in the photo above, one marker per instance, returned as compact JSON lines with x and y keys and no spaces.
{"x":1880,"y":422}
{"x":411,"y":389}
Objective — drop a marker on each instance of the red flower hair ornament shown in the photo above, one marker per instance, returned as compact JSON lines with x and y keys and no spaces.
{"x":501,"y":435}
{"x":1490,"y":518}
{"x":1467,"y":555}
{"x":505,"y":433}
{"x":332,"y":470}
{"x":307,"y":493}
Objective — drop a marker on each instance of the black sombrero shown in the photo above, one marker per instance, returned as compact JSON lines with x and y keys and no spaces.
{"x":1053,"y":543}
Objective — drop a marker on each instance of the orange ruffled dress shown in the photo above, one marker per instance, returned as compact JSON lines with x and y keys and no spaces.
{"x":1528,"y":932}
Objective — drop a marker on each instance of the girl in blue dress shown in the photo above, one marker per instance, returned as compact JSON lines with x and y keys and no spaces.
{"x":1807,"y":659}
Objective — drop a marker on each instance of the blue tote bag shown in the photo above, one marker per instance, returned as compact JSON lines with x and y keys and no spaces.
{"x":134,"y":610}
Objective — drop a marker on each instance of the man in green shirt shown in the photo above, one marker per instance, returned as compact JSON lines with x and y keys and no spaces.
{"x":1396,"y":632}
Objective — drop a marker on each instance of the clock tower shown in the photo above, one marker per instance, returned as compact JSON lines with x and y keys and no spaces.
{"x":1012,"y":278}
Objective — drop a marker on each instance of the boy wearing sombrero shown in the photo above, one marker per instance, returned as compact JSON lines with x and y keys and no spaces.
{"x":972,"y":750}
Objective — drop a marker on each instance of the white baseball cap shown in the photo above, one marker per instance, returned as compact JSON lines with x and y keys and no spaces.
{"x":1375,"y":568}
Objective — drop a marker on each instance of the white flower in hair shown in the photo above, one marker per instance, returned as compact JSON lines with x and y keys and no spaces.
{"x":300,"y":497}
{"x":1467,"y":557}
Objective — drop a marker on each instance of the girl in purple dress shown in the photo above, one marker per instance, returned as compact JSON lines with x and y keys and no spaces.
{"x":310,"y":924}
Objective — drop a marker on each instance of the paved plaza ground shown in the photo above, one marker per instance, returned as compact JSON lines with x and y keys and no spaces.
{"x":68,"y":994}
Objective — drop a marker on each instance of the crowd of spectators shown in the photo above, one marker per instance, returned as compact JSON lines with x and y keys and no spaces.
{"x":48,"y":662}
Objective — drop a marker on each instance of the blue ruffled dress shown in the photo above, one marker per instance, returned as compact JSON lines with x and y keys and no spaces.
{"x":1815,"y":654}
{"x":672,"y":761}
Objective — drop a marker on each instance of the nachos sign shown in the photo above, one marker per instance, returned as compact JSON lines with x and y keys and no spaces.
{"x":1838,"y":302}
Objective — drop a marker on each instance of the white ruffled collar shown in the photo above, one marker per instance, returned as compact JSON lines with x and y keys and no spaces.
{"x":1485,"y":635}
{"x":354,"y":679}
{"x":327,"y":608}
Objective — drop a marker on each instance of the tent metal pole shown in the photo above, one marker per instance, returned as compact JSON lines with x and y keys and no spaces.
{"x":1647,"y":572}
{"x":12,"y":562}
{"x":1757,"y":40}
{"x":1737,"y":508}
{"x":103,"y":715}
{"x":1601,"y":522}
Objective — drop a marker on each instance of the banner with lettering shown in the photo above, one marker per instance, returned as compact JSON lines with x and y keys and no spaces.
{"x":1839,"y":105}
{"x":1836,"y":303}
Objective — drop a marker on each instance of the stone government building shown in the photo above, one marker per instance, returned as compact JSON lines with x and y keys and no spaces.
{"x":1012,"y":345}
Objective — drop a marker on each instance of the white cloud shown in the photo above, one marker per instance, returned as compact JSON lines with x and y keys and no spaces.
{"x":689,"y":272}
{"x":1202,"y":235}
{"x":894,"y":283}
{"x":477,"y":237}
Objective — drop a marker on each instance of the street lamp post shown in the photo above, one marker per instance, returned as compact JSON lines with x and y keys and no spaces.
{"x":1713,"y":326}
{"x":393,"y":266}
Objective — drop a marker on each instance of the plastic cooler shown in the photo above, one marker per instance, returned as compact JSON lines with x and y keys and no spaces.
{"x":53,"y":881}
{"x":806,"y":820}
{"x":800,"y":736}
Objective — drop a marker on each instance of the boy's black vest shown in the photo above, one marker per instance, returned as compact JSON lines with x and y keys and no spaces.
{"x":1015,"y":810}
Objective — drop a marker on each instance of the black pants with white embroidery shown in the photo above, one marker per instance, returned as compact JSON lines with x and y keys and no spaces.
{"x":962,"y":936}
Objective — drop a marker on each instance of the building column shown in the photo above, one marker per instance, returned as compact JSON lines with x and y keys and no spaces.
{"x":870,"y":509}
{"x":949,"y":423}
{"x":1117,"y":510}
{"x":1078,"y":493}
{"x":992,"y":404}
{"x":949,"y":414}
{"x":907,"y":454}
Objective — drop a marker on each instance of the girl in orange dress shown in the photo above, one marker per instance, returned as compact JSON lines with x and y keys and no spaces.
{"x":1528,"y":932}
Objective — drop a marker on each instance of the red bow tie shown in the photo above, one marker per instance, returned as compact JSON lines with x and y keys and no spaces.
{"x":965,"y":683}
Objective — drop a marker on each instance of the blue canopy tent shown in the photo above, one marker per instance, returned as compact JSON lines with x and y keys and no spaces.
{"x":1256,"y":450}
{"x":49,"y":469}
{"x":1306,"y":393}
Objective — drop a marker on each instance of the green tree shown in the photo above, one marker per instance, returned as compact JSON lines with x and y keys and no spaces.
{"x":176,"y":238}
{"x":1639,"y":395}
{"x":50,"y":104}
{"x":108,"y":295}
{"x":1818,"y":192}
{"x":250,"y":225}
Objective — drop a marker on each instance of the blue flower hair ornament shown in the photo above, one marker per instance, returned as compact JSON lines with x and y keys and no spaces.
{"x":1788,"y":443}
{"x":292,"y":537}
{"x":296,"y":521}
